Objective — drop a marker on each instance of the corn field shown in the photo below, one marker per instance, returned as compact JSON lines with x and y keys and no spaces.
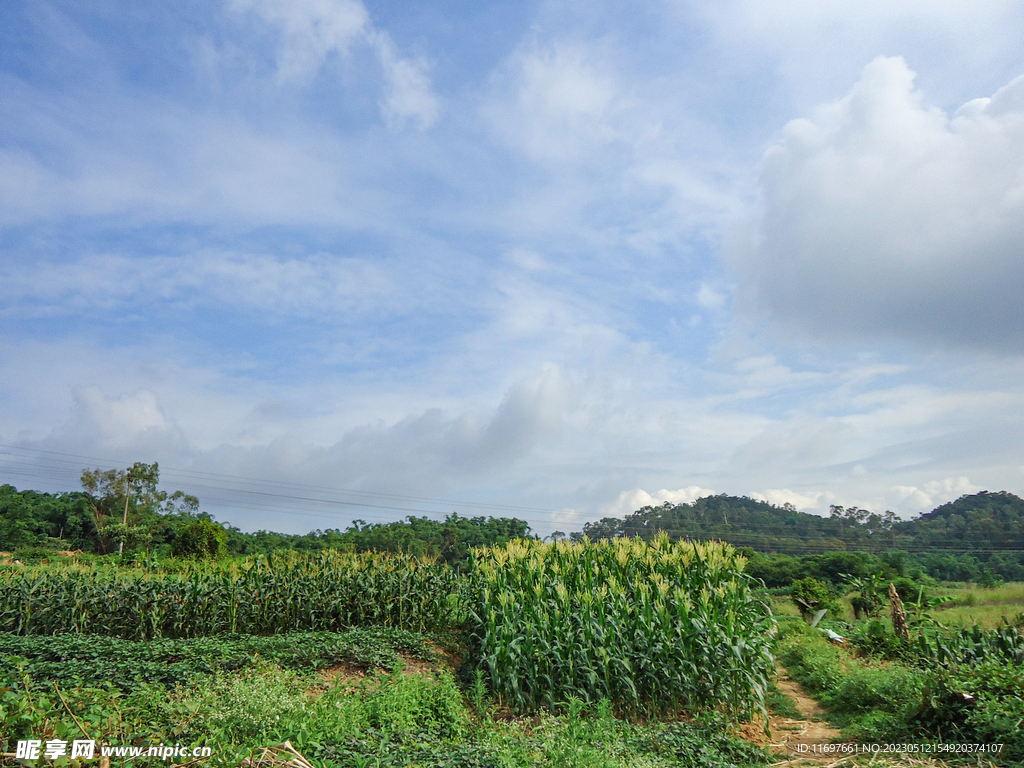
{"x":655,"y":627}
{"x":972,"y":646}
{"x":269,"y":595}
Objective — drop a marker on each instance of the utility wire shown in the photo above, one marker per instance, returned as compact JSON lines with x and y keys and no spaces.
{"x":58,"y":466}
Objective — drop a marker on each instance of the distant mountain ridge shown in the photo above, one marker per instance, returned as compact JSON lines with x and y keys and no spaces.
{"x":982,"y":522}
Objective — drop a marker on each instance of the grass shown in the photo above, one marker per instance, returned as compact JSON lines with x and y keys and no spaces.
{"x":897,"y":702}
{"x":972,"y":604}
{"x":399,"y":718}
{"x":781,"y":705}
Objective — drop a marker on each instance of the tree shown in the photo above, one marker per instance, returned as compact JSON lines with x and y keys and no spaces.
{"x":125,"y":503}
{"x":17,"y":523}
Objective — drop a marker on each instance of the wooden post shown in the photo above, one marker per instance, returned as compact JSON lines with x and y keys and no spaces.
{"x":899,"y":618}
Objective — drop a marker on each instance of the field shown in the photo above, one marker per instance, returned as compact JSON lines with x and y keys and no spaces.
{"x":969,"y":604}
{"x":371,"y":659}
{"x":613,"y":653}
{"x":975,"y":605}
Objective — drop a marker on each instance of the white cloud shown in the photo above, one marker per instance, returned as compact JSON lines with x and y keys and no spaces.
{"x":312,"y":30}
{"x":410,"y":95}
{"x":555,"y":102}
{"x":630,"y":501}
{"x":883,"y":215}
{"x":780,"y":496}
{"x":133,"y":422}
{"x":934,"y":493}
{"x":710,"y":297}
{"x":318,"y":286}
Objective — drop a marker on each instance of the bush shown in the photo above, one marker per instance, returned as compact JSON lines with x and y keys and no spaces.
{"x":33,"y":554}
{"x":979,"y":703}
{"x":909,"y":590}
{"x":983,"y":703}
{"x":811,"y":595}
{"x":877,"y":639}
{"x":200,"y":539}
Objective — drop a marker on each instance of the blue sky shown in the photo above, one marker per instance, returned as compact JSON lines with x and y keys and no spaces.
{"x":559,"y":257}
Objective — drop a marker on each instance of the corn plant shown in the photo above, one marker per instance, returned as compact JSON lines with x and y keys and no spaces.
{"x":655,"y":627}
{"x":267,"y":595}
{"x":971,"y":646}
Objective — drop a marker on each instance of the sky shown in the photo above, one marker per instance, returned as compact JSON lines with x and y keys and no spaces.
{"x":328,"y":260}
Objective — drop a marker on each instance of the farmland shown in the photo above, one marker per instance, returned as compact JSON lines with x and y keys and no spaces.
{"x":514,"y":663}
{"x":619,"y":652}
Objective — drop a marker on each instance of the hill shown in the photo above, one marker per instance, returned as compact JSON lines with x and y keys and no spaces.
{"x":982,"y":524}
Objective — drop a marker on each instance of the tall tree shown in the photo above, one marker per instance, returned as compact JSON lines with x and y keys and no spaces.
{"x":126,"y":502}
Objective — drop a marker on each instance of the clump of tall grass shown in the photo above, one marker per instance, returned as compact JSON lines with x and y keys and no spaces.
{"x":655,"y":627}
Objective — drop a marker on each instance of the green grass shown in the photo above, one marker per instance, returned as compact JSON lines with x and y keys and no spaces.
{"x":972,"y":604}
{"x":781,"y":705}
{"x":883,"y":701}
{"x":387,"y":719}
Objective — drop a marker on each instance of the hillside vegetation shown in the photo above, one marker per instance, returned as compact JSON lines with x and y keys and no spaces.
{"x":968,"y":539}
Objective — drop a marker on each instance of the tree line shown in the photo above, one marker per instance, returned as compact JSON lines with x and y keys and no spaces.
{"x":977,"y":537}
{"x":124,"y":512}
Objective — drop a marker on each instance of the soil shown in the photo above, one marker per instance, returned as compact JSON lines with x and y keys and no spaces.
{"x":351,"y":675}
{"x":798,"y":741}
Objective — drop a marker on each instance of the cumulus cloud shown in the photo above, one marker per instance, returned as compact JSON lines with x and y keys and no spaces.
{"x":781,"y":496}
{"x":934,"y":493}
{"x":885,"y":216}
{"x":130,"y":423}
{"x":630,"y":501}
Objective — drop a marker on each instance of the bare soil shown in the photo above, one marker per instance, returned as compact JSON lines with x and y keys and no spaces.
{"x":797,"y":741}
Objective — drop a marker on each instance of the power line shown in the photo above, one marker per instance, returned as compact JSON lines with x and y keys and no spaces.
{"x":191,"y":473}
{"x":57,"y":465}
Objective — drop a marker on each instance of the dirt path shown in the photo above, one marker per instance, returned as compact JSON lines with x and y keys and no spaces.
{"x":801,"y":740}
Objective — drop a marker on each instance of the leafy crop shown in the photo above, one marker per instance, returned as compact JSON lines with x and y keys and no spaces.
{"x":655,"y":627}
{"x":95,"y":661}
{"x":971,"y":646}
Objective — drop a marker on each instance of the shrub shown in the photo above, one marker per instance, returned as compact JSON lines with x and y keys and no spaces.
{"x":811,"y":595}
{"x":878,"y":639}
{"x":982,"y":703}
{"x":200,"y":539}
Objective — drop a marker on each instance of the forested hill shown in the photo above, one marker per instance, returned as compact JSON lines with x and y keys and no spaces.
{"x":988,"y":526}
{"x":979,"y":523}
